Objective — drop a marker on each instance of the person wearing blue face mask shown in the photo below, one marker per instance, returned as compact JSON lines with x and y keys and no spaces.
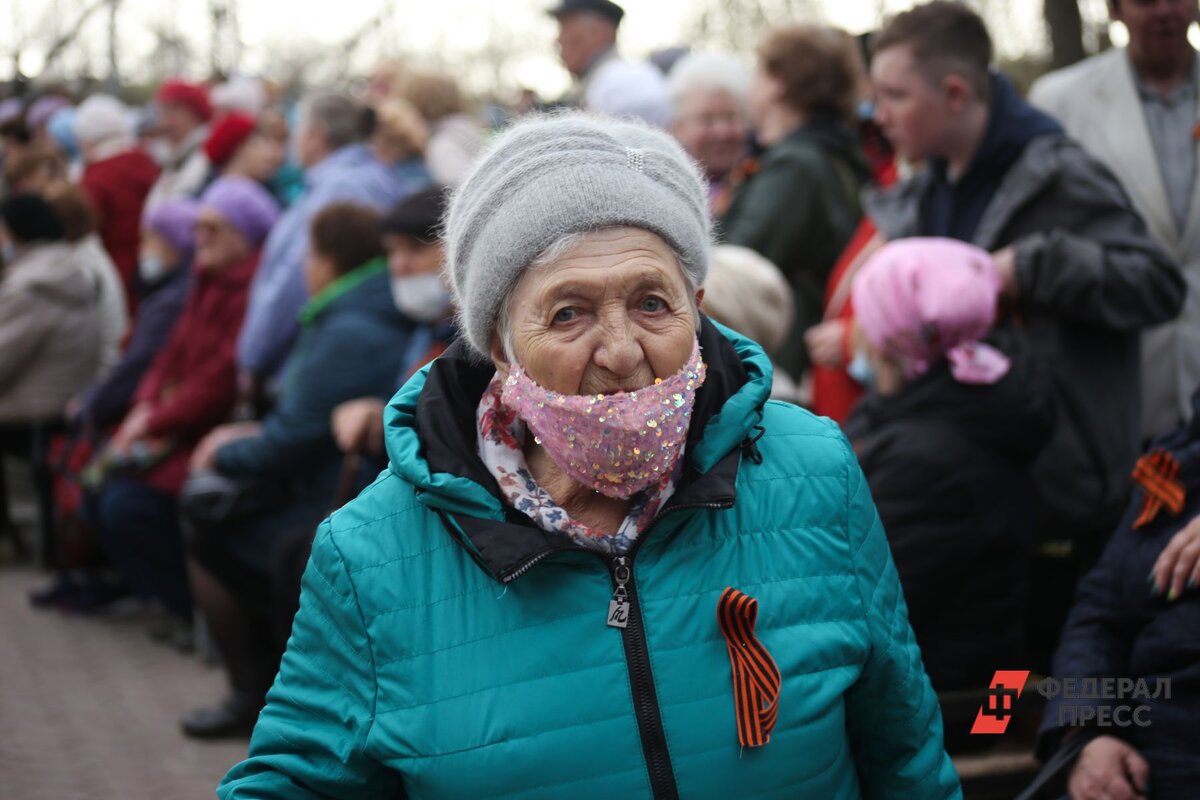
{"x":415,"y":255}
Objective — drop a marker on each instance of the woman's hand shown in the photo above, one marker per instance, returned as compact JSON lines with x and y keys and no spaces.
{"x":825,"y":343}
{"x":1108,"y":769}
{"x":204,"y":457}
{"x":1178,"y":566}
{"x":358,"y":424}
{"x":132,"y":428}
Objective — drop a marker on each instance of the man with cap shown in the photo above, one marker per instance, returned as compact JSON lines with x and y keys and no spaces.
{"x":184,"y":112}
{"x":587,"y":45}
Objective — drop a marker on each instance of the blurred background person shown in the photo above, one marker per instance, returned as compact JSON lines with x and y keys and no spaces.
{"x":49,"y":338}
{"x":33,"y":170}
{"x":240,"y":94}
{"x":164,"y":276}
{"x":339,"y":167}
{"x":1136,"y":616}
{"x":399,"y":141}
{"x":350,"y":314}
{"x":455,"y":134}
{"x":1135,"y":109}
{"x":746,"y":292}
{"x":798,"y":205}
{"x":709,"y":97}
{"x":79,"y":230}
{"x":184,"y":112}
{"x":415,"y":257}
{"x":945,"y":437}
{"x":49,"y":317}
{"x":118,"y":178}
{"x":190,"y":388}
{"x":605,"y":82}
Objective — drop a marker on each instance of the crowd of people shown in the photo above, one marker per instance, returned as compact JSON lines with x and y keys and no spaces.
{"x":225,"y":315}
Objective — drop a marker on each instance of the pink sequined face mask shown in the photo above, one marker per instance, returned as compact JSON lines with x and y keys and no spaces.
{"x":617,"y":444}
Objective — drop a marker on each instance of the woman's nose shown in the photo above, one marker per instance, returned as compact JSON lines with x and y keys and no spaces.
{"x":619,"y":352}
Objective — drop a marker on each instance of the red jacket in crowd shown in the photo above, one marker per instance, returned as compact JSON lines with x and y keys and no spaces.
{"x":117,"y":188}
{"x":192,"y":384}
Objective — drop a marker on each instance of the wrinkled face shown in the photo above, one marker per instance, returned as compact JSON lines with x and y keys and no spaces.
{"x":710,"y":127}
{"x":912,"y":114}
{"x":260,"y":157}
{"x":609,"y":315}
{"x":409,"y":256}
{"x":1156,"y":27}
{"x":177,"y":121}
{"x":582,"y":37}
{"x":218,"y":243}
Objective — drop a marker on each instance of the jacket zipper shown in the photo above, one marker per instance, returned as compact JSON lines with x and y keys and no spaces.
{"x":626,"y":614}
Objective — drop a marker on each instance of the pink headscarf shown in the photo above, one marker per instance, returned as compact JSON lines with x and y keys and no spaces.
{"x":920,"y":299}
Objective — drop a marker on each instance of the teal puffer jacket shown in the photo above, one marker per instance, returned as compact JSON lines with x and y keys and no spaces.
{"x":445,"y":648}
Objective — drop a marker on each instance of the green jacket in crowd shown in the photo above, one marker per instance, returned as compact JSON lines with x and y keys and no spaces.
{"x":798,"y":209}
{"x":445,"y":648}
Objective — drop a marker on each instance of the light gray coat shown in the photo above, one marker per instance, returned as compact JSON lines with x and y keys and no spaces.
{"x":1097,"y":102}
{"x":49,"y":332}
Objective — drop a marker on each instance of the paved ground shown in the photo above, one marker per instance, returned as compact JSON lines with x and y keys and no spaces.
{"x":89,"y":707}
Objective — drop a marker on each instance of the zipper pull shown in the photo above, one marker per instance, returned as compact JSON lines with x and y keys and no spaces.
{"x":618,"y":607}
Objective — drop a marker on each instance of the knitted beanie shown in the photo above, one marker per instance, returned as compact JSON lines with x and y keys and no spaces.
{"x":247,"y":205}
{"x":175,"y":221}
{"x":226,"y":136}
{"x":555,"y":175}
{"x":190,"y":95}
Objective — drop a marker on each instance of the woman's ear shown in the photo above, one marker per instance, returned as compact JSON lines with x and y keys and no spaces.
{"x":500,"y":357}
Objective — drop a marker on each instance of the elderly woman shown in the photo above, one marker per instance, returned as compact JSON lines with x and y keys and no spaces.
{"x":190,"y":388}
{"x":709,"y":116}
{"x":555,"y":590}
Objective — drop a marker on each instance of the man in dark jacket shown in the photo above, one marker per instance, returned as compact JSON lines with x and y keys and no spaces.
{"x":947,"y":466}
{"x":1081,"y":275}
{"x":1141,"y":634}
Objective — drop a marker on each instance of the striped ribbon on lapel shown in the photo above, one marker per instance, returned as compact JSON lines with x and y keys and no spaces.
{"x":1157,"y":473}
{"x":756,"y":677}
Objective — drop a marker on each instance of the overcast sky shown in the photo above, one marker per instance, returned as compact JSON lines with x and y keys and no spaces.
{"x":442,"y":27}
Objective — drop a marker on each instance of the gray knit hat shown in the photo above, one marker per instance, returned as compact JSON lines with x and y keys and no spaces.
{"x":559,"y":174}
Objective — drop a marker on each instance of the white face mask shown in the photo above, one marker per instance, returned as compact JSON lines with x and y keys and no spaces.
{"x":151,"y":268}
{"x":421,"y":298}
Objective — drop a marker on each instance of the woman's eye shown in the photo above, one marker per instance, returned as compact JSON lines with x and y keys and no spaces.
{"x":653,"y":304}
{"x":565,"y":315}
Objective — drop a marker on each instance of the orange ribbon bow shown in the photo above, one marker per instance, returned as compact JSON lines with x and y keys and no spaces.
{"x":756,"y":677}
{"x":1158,"y":475}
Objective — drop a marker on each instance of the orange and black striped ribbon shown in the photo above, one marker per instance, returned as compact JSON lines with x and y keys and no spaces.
{"x":1157,"y":473}
{"x":756,"y":678}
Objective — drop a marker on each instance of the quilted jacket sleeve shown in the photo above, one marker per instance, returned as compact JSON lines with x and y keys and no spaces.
{"x":893,"y":718}
{"x":310,"y":741}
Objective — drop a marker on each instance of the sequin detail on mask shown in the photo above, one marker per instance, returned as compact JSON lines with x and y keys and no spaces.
{"x":616,"y":444}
